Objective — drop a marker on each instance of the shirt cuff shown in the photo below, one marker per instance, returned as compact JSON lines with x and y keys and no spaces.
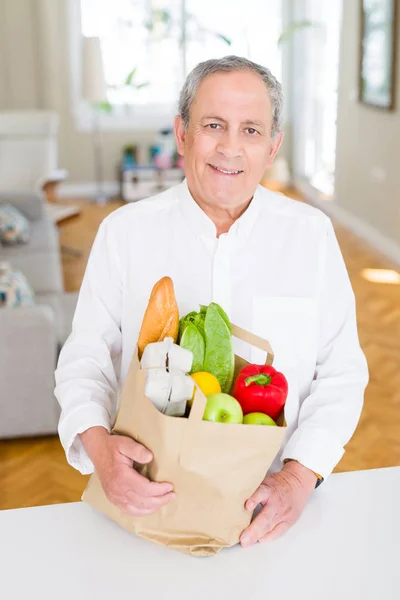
{"x":315,"y":448}
{"x":76,"y":422}
{"x":317,"y":475}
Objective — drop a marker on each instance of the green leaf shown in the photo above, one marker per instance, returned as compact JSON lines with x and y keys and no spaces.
{"x":192,"y":318}
{"x":192,"y":340}
{"x":224,"y":316}
{"x":208,"y":334}
{"x":165,"y":16}
{"x":219,"y":358}
{"x":224,"y":38}
{"x":184,"y":321}
{"x":103,"y":106}
{"x":199,"y":322}
{"x":142,"y":85}
{"x":296,"y":26}
{"x":128,"y":80}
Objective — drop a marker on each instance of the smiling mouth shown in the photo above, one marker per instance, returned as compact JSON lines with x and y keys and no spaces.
{"x":224,"y":171}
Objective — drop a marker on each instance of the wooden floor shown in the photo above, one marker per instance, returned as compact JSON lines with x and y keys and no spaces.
{"x":34,"y":472}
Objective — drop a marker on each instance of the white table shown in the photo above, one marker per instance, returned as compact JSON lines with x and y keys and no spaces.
{"x":345,"y":547}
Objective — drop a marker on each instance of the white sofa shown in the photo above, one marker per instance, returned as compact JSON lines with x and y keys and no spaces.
{"x":30,"y":338}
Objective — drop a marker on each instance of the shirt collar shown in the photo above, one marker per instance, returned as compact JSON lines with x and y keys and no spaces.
{"x":203,"y":226}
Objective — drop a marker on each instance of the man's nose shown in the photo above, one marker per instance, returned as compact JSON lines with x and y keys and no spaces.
{"x":230,"y":144}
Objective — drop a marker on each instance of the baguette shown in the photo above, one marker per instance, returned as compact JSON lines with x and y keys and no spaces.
{"x":161,"y":318}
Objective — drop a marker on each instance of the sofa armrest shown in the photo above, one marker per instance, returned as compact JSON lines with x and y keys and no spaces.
{"x":29,"y":203}
{"x":28,"y":354}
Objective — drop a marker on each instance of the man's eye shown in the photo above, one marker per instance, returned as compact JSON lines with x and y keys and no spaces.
{"x":213,"y":125}
{"x":251,"y":130}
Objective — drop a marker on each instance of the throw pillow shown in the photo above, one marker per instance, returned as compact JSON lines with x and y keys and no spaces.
{"x":14,"y":227}
{"x":15,"y":290}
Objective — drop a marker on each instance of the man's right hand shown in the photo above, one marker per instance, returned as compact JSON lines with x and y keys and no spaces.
{"x":113,"y":457}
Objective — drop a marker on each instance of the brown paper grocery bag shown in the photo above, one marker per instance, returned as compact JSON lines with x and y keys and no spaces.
{"x":214,"y":467}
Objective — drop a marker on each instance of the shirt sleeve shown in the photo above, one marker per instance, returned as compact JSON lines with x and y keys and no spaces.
{"x":329,"y":415}
{"x":86,"y":377}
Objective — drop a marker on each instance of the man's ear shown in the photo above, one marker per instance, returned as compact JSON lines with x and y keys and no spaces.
{"x":180,"y":134}
{"x":275,"y":145}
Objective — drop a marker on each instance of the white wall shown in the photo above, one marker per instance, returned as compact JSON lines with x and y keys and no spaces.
{"x":19,"y":83}
{"x":368,"y":142}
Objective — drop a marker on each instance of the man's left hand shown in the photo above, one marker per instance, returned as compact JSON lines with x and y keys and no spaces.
{"x":283,"y":497}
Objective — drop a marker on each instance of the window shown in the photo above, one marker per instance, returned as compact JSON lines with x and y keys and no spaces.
{"x":315,"y":71}
{"x":155,"y":43}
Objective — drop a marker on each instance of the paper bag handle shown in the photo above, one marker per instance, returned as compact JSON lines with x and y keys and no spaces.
{"x":254,"y":340}
{"x":198,"y":405}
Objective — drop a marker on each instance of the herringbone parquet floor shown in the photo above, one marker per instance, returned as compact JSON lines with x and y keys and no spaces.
{"x":35,"y":472}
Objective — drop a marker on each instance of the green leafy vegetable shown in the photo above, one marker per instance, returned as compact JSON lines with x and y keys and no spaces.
{"x":219,"y":357}
{"x":225,"y":317}
{"x":208,"y":334}
{"x":193,"y":340}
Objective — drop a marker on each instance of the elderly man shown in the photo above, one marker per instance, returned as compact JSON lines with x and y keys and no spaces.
{"x":272,"y":263}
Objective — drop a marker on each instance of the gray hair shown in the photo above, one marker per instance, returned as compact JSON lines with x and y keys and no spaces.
{"x":229,"y":64}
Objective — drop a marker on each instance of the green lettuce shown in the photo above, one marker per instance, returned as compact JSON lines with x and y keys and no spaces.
{"x":208,"y":334}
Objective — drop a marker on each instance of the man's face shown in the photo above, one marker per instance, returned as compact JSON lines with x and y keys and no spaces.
{"x":228,"y":143}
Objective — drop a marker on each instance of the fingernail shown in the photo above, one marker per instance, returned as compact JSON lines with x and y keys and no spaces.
{"x":245,"y":541}
{"x":250,"y":505}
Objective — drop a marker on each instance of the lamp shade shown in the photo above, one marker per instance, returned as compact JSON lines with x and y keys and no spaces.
{"x":94,"y":87}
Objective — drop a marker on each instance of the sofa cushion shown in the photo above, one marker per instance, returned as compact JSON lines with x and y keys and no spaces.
{"x":15,"y":290}
{"x":14,"y":227}
{"x":29,"y":203}
{"x":43,"y":237}
{"x":42,"y":269}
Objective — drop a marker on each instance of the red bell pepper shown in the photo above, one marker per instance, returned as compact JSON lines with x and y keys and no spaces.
{"x":261,"y":388}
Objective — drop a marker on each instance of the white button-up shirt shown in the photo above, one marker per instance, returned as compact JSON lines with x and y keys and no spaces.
{"x":278,"y":272}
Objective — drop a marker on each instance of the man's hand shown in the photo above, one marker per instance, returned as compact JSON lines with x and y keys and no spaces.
{"x":283,"y":497}
{"x":113,"y":457}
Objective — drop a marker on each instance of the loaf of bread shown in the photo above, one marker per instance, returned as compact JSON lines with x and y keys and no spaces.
{"x":161,"y":318}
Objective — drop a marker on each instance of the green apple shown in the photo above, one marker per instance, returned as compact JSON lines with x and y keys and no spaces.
{"x":223,"y":408}
{"x":258,"y":418}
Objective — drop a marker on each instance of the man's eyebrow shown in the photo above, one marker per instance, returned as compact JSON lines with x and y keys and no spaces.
{"x":247,"y":122}
{"x":251,"y":122}
{"x":216,"y":118}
